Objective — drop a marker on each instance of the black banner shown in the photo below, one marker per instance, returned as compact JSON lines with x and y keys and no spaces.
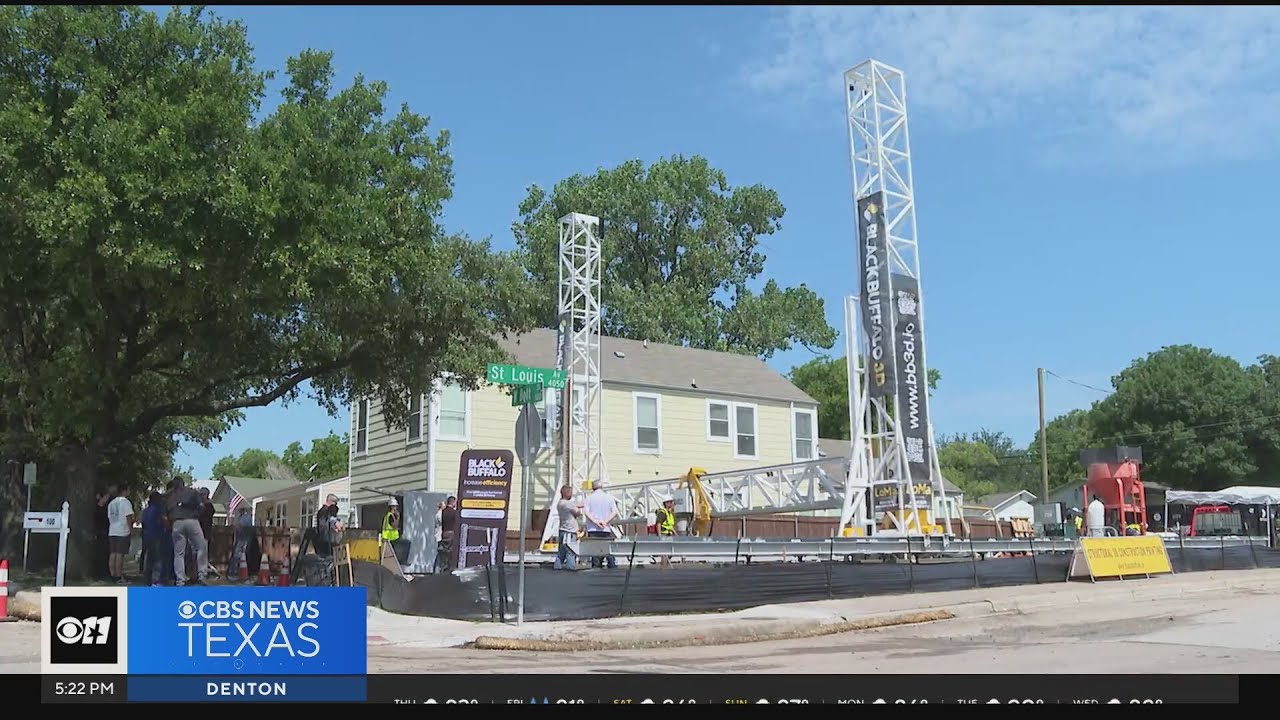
{"x":884,"y":498}
{"x":911,"y":403}
{"x":873,"y":263}
{"x":727,"y":689}
{"x":484,"y":505}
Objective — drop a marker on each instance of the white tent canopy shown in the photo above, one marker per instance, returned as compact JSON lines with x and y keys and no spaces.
{"x":1237,"y":495}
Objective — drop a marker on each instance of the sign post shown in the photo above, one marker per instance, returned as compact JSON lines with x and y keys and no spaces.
{"x":52,"y":522}
{"x":28,"y":479}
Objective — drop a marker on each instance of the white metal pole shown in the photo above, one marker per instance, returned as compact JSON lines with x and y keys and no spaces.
{"x":60,"y":581}
{"x":526,"y":476}
{"x":26,"y":534}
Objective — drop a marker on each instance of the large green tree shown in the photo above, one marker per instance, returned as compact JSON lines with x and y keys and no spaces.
{"x":826,"y":380}
{"x":170,"y":253}
{"x":681,"y":253}
{"x":1200,"y":417}
{"x":970,"y":465}
{"x":1066,"y":436}
{"x":326,"y":460}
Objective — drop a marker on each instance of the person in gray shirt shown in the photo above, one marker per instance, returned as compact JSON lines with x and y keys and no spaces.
{"x":184,"y":506}
{"x":567,"y":512}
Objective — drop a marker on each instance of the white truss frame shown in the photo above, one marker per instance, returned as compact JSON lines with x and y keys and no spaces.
{"x":579,"y":456}
{"x":880,"y":159}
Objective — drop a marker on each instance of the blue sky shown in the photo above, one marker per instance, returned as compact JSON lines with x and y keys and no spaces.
{"x":1088,"y":180}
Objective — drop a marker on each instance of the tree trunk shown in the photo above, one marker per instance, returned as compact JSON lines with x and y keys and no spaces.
{"x":13,"y":503}
{"x":76,"y":477}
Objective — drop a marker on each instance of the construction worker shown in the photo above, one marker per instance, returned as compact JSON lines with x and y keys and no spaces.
{"x":1078,"y":520}
{"x":666,"y":524}
{"x":1097,"y":518}
{"x":391,"y":530}
{"x":1133,"y":528}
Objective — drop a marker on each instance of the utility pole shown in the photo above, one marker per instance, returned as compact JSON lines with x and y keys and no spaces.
{"x":1044,"y":442}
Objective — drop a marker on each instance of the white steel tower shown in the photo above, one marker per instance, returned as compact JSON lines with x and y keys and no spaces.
{"x":579,"y":348}
{"x":892,"y":445}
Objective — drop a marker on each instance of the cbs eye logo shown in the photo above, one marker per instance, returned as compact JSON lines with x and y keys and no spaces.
{"x":83,"y":631}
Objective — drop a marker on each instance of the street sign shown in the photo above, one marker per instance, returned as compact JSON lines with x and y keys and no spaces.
{"x":526,"y":395}
{"x":522,"y":375}
{"x":29,"y":474}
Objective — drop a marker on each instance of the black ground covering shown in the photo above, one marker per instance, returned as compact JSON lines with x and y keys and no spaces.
{"x":489,"y":593}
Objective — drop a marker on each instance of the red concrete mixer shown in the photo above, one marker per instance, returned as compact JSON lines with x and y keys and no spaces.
{"x":1114,"y":477}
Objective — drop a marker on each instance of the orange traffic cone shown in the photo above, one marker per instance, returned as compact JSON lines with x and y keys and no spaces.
{"x":264,"y":571}
{"x":4,"y":592}
{"x":243,"y":573}
{"x":282,"y":580}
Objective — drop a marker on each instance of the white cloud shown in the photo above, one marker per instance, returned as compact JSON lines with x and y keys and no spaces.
{"x":1192,"y":82}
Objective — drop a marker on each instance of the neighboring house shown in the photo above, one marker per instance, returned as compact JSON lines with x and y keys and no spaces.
{"x":295,"y":505}
{"x":828,"y":447}
{"x":251,"y":491}
{"x":664,"y":409}
{"x":1008,"y":505}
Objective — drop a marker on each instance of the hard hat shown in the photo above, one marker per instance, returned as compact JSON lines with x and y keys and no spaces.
{"x":667,"y":499}
{"x":392,"y":503}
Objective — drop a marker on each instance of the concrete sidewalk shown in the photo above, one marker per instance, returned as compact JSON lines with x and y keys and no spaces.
{"x":771,"y":622}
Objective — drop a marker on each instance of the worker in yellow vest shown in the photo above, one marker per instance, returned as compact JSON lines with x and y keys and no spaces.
{"x":666,"y":524}
{"x":1079,"y":521}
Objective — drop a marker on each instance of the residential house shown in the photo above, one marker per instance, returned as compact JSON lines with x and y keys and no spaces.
{"x":1007,"y":505}
{"x":295,"y":505}
{"x":828,"y":447}
{"x":664,"y":409}
{"x":252,"y":491}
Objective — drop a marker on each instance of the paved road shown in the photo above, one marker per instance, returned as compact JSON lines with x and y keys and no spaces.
{"x":1236,"y":634}
{"x":1198,"y":633}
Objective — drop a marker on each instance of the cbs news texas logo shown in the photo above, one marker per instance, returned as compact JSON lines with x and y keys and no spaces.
{"x":84,"y":631}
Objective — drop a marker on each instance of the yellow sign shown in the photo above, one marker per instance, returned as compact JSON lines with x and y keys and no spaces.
{"x":1117,"y":557}
{"x":484,"y":504}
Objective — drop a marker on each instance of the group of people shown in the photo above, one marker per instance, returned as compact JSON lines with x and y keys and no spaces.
{"x":598,"y":513}
{"x":176,"y":526}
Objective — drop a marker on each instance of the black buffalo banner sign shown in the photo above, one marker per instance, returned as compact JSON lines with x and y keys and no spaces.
{"x":911,"y":403}
{"x":873,"y":264}
{"x":484,"y":506}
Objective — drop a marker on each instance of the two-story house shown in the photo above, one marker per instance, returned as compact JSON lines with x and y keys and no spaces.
{"x":664,"y":409}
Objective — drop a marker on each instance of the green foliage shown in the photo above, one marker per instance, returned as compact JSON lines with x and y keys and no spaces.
{"x":328,"y":455}
{"x":826,"y":380}
{"x":170,"y":257}
{"x":681,"y":250}
{"x":970,"y":465}
{"x":1066,"y":436}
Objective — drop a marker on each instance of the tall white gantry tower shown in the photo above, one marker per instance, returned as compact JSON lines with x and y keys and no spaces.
{"x":579,"y":348}
{"x":892,"y":452}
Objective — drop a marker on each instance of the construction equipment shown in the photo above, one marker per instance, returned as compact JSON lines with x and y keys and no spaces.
{"x":1114,"y":477}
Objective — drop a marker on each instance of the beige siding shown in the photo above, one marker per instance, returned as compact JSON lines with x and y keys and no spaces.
{"x":392,"y":466}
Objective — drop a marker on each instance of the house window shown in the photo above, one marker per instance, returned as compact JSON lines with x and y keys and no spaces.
{"x":744,"y":417}
{"x":308,"y":518}
{"x":648,"y":420}
{"x":281,"y":514}
{"x":804,"y":423}
{"x":362,"y":427}
{"x":454,"y":402}
{"x":718,"y":421}
{"x":415,"y":418}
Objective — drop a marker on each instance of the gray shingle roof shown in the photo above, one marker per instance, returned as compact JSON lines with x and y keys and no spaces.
{"x":996,"y":500}
{"x":667,"y":366}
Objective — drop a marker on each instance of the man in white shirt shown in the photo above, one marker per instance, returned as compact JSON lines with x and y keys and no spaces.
{"x":601,"y":509}
{"x":119,"y":532}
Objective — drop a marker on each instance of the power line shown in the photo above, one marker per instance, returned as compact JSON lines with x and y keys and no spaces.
{"x":1076,"y":382}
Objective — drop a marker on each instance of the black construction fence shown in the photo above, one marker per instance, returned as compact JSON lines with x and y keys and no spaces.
{"x":488,"y":593}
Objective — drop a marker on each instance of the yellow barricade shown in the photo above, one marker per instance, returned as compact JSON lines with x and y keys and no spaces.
{"x":1120,"y":557}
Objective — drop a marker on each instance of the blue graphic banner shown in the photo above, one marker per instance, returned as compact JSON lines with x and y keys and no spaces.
{"x":247,"y":631}
{"x":213,"y":688}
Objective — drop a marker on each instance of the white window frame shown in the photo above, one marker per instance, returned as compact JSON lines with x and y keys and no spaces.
{"x":755,"y":431}
{"x":728,"y":407}
{"x":307,"y":513}
{"x":409,"y":439}
{"x":281,"y":512}
{"x":361,"y":413}
{"x":795,"y":438}
{"x":440,"y":434}
{"x":636,"y":397}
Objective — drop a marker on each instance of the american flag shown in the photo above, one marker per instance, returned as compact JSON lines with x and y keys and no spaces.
{"x":235,"y":503}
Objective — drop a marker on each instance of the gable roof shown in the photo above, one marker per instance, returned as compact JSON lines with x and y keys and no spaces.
{"x":251,"y":488}
{"x":829,"y":447}
{"x":673,"y":367}
{"x":1000,"y":499}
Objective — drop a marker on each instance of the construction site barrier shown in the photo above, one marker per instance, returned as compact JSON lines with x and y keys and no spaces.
{"x":484,"y":593}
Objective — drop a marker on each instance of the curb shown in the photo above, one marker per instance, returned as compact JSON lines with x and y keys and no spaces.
{"x":736,"y":634}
